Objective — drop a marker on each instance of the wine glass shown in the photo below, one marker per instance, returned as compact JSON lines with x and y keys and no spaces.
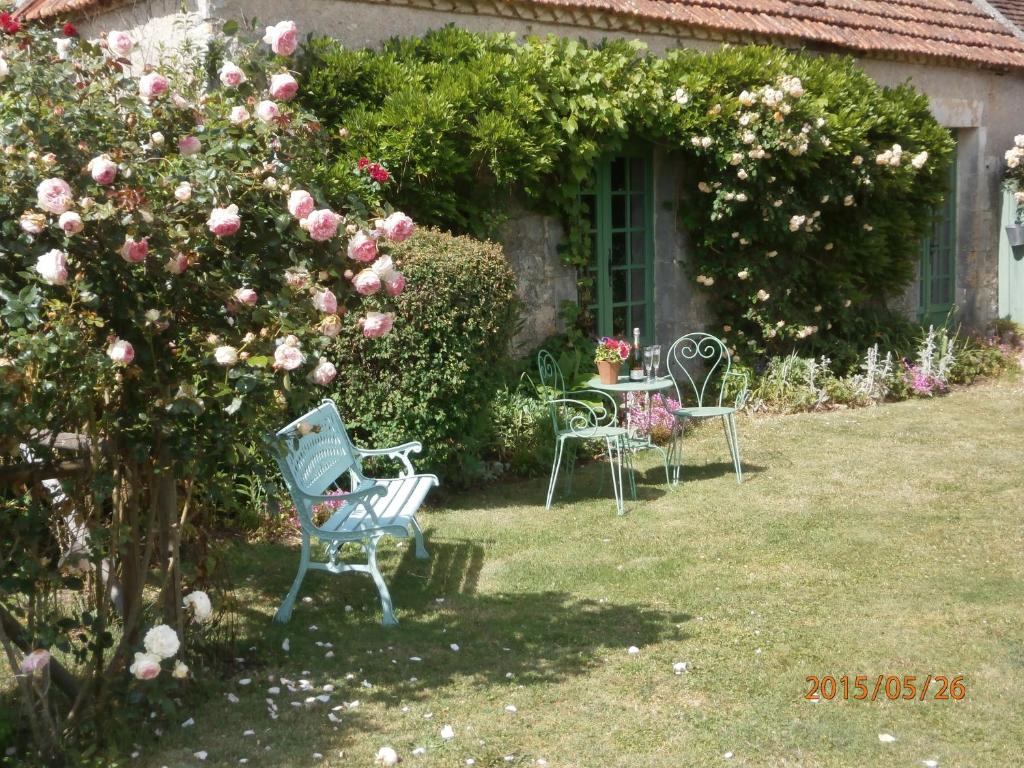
{"x":648,"y":361}
{"x":656,"y":360}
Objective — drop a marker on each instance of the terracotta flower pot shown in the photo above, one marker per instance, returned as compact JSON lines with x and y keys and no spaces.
{"x":609,"y":372}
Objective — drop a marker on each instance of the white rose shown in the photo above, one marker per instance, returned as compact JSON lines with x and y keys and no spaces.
{"x":146,"y":666}
{"x":156,"y":139}
{"x":161,"y":641}
{"x":180,"y":670}
{"x":919,"y":160}
{"x":200,"y":603}
{"x":226,"y":355}
{"x":52,"y":266}
{"x":1018,"y":140}
{"x":183,"y":192}
{"x":4,"y":69}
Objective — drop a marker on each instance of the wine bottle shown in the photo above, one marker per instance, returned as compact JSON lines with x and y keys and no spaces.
{"x":636,"y":373}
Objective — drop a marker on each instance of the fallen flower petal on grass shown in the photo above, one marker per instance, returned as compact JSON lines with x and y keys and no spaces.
{"x":447,"y":733}
{"x":886,"y":738}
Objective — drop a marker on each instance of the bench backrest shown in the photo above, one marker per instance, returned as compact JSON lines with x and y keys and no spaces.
{"x":312,"y":462}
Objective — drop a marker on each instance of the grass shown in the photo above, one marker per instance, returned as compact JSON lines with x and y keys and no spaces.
{"x":875,"y":541}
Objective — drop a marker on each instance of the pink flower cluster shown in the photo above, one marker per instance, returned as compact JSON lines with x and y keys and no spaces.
{"x":660,"y":418}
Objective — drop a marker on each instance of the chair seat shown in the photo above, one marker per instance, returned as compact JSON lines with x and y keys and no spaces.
{"x":594,"y":433}
{"x":705,"y":412}
{"x":396,"y":507}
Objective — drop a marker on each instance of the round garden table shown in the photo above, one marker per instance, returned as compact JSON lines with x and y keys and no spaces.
{"x":637,"y":443}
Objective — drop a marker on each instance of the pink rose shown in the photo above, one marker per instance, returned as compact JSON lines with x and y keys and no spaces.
{"x":330,"y":326}
{"x":300,"y":203}
{"x":189,"y":145}
{"x":39,"y":658}
{"x":180,"y":101}
{"x":296,"y":277}
{"x":377,"y":324}
{"x":71,"y":223}
{"x":231,"y":75}
{"x":322,"y":224}
{"x":239,"y":116}
{"x":282,"y":38}
{"x":119,"y":42}
{"x":151,"y":85}
{"x":224,"y":221}
{"x":323,"y":374}
{"x":395,"y":284}
{"x":33,"y":223}
{"x":183,"y":192}
{"x":283,"y":87}
{"x":288,"y":357}
{"x":397,"y":227}
{"x":146,"y":666}
{"x":362,"y":248}
{"x":267,"y":111}
{"x":121,"y":351}
{"x":135,"y":251}
{"x":367,"y":282}
{"x":326,"y":301}
{"x":54,"y":195}
{"x":246,"y":296}
{"x":177,"y":264}
{"x":52,"y":266}
{"x":103,"y":170}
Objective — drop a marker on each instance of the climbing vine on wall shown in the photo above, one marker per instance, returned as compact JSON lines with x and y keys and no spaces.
{"x":807,"y":186}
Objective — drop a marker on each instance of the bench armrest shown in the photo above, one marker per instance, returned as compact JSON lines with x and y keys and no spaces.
{"x":355,"y":498}
{"x":398,"y":452}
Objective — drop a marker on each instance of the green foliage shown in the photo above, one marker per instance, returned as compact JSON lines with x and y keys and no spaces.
{"x":522,"y":435}
{"x":795,"y":211}
{"x":433,"y":378}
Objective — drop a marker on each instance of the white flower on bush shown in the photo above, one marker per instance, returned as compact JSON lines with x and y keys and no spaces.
{"x":792,"y":86}
{"x":267,"y":111}
{"x":180,"y":670}
{"x":52,"y":266}
{"x":231,"y":75}
{"x":199,"y":602}
{"x":1019,"y":197}
{"x":161,"y":641}
{"x":736,"y":158}
{"x":323,"y":374}
{"x":4,"y":68}
{"x":239,"y":116}
{"x":743,"y":274}
{"x":33,"y":223}
{"x":225,"y":355}
{"x":741,"y":197}
{"x":795,"y":222}
{"x":747,"y":99}
{"x":177,"y":264}
{"x":763,"y":295}
{"x":119,"y":42}
{"x":183,"y":192}
{"x":157,"y":139}
{"x":146,"y":666}
{"x":704,"y":187}
{"x":681,"y":96}
{"x":919,"y":160}
{"x":741,"y":174}
{"x":288,"y":356}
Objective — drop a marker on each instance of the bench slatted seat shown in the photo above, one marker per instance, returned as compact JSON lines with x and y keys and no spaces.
{"x":314,"y":452}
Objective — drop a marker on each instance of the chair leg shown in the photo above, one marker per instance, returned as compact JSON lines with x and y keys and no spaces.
{"x":559,"y":446}
{"x":675,"y":451}
{"x":284,"y":613}
{"x":735,"y":444}
{"x":614,"y":448}
{"x":421,"y":550}
{"x":570,"y":469}
{"x":389,"y":619}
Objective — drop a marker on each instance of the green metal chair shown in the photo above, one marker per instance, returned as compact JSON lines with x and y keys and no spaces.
{"x":695,"y":362}
{"x":595,"y":417}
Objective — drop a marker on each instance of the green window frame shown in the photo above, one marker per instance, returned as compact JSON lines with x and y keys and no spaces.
{"x":619,"y":222}
{"x":938,"y":260}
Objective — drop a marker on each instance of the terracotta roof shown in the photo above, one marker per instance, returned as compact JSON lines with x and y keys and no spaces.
{"x":952,"y":30}
{"x":1013,"y":10}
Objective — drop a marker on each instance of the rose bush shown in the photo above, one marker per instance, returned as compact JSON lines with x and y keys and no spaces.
{"x":164,"y":294}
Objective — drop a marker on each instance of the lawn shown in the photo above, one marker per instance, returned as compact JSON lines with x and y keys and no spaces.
{"x":878,"y":541}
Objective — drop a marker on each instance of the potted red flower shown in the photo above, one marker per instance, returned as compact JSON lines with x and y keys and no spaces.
{"x":609,"y":356}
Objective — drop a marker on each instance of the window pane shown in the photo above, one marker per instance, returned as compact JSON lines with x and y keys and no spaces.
{"x":636,"y":211}
{"x":619,"y":255}
{"x":639,"y":318}
{"x":636,"y":175}
{"x":620,"y":321}
{"x":620,"y":285}
{"x":638,"y":248}
{"x":637,"y":285}
{"x":619,"y":174}
{"x":619,"y":211}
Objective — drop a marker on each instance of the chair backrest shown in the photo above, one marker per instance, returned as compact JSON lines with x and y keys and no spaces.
{"x":694,"y":362}
{"x":313,"y":461}
{"x":550,"y":372}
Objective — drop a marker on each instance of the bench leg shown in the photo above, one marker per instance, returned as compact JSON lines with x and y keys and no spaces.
{"x":421,"y":551}
{"x":382,"y":588}
{"x":284,"y":613}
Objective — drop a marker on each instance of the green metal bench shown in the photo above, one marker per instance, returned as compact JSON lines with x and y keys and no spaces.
{"x":314,"y":453}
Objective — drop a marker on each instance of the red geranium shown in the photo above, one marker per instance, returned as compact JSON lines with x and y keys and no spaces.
{"x":363,"y":162}
{"x":378,"y":173}
{"x":69,"y":30}
{"x":9,"y":23}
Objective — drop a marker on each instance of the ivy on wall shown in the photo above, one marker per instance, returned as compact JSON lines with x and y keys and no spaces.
{"x":807,"y":188}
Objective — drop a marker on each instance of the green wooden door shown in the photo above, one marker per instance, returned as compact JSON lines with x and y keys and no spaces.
{"x":619,"y":222}
{"x":938,"y":260}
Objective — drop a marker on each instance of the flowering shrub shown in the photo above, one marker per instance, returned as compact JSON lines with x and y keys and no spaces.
{"x":656,"y":423}
{"x":928,"y":374}
{"x":172,"y":280}
{"x":1014,"y":175}
{"x":611,"y":350}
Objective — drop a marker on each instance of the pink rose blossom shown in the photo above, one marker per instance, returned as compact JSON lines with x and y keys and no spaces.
{"x":180,"y":101}
{"x":288,"y":357}
{"x":71,"y":223}
{"x":282,"y":38}
{"x":135,"y":251}
{"x":246,"y":296}
{"x":33,"y":223}
{"x":322,"y":224}
{"x":183,"y":192}
{"x":239,"y":116}
{"x":300,"y":203}
{"x":377,"y":324}
{"x":120,"y":42}
{"x":151,"y":85}
{"x":362,"y":248}
{"x":397,"y":227}
{"x":283,"y":87}
{"x":189,"y":145}
{"x":330,"y":326}
{"x":146,"y":666}
{"x":52,"y":266}
{"x":177,"y":264}
{"x":367,"y":282}
{"x":224,"y":221}
{"x":395,"y":284}
{"x":38,"y":659}
{"x":267,"y":111}
{"x":103,"y":170}
{"x":54,"y":195}
{"x":231,"y":75}
{"x":296,"y":277}
{"x":121,"y":351}
{"x":323,"y":374}
{"x":326,"y":301}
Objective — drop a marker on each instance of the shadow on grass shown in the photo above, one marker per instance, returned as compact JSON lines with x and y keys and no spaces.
{"x":692,"y":473}
{"x":525,"y":637}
